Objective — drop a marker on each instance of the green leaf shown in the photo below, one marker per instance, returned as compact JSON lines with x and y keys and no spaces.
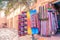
{"x":0,"y":1}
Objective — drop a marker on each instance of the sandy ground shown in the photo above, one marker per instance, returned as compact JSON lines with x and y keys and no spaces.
{"x":11,"y":34}
{"x":41,"y":38}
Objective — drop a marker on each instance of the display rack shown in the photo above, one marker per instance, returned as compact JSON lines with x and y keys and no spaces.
{"x":48,"y":19}
{"x":22,"y":27}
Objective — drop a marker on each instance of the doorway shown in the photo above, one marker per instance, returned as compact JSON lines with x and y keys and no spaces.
{"x":57,"y":7}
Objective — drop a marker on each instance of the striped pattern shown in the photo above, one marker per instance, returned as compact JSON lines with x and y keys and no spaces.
{"x":29,"y":23}
{"x":50,"y":25}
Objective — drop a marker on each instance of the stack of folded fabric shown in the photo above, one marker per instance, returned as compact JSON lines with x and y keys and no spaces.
{"x":23,"y":24}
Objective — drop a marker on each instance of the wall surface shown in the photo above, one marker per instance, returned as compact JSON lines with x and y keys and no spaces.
{"x":40,"y":3}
